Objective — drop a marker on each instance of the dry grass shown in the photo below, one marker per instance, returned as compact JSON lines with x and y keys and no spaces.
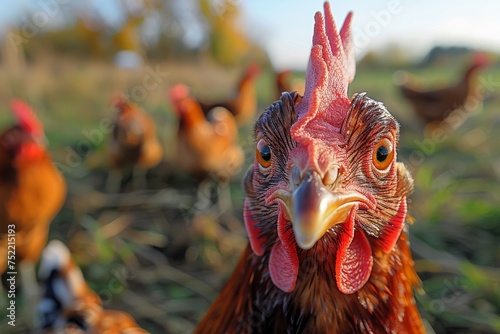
{"x":156,"y":255}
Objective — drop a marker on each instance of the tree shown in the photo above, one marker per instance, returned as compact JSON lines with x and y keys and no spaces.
{"x":228,"y":44}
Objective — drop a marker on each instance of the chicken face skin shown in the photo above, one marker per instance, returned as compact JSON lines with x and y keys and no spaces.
{"x":330,"y":196}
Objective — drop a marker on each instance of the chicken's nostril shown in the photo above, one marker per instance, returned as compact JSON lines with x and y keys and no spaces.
{"x":295,"y":175}
{"x":331,"y":176}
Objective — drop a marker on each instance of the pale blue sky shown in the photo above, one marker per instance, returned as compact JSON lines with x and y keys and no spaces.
{"x":284,"y":28}
{"x":416,"y":25}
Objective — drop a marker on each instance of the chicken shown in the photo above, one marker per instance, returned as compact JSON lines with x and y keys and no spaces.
{"x":133,"y":144}
{"x":32,"y":191}
{"x":325,"y":212}
{"x":206,"y":146}
{"x":434,"y":106}
{"x":243,"y":103}
{"x":69,"y":305}
{"x":285,"y":83}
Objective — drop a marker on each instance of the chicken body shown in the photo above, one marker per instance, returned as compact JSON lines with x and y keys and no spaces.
{"x":69,"y":305}
{"x":243,"y":103}
{"x":325,"y":212}
{"x":32,"y":191}
{"x":206,"y":146}
{"x":436,"y":105}
{"x":133,"y":142}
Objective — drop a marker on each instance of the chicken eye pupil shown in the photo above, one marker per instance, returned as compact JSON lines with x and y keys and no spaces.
{"x":265,"y":153}
{"x":382,"y":153}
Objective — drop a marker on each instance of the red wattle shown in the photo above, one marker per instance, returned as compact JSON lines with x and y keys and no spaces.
{"x":283,"y":268}
{"x":392,"y":231}
{"x":284,"y":262}
{"x":253,"y":231}
{"x":354,"y":258}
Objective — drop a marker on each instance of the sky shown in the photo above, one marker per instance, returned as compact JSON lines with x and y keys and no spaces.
{"x":415,"y":25}
{"x":285,"y":28}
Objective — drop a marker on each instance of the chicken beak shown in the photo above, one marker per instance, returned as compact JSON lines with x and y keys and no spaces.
{"x":314,"y":208}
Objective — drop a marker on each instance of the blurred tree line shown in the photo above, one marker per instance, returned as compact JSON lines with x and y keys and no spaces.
{"x":395,"y":55}
{"x":153,"y":29}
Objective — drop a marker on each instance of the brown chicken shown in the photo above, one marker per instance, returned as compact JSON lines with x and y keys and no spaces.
{"x":133,"y":144}
{"x":69,"y":305}
{"x":325,"y":212}
{"x":207,"y":147}
{"x":32,"y":191}
{"x":285,"y":83}
{"x":243,"y":103}
{"x":434,"y":106}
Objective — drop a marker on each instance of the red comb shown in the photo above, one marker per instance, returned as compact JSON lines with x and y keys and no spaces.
{"x":480,"y":59}
{"x":330,"y":70}
{"x":178,"y":93}
{"x":26,"y":118}
{"x":253,"y":69}
{"x":119,"y":101}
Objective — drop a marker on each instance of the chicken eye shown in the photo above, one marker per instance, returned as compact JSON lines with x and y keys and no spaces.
{"x":383,"y":154}
{"x":263,"y":153}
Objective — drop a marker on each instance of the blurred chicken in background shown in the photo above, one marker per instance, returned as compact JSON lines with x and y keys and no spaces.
{"x":69,"y":305}
{"x":435,"y":106}
{"x":282,"y":80}
{"x":243,"y":101}
{"x":206,"y":146}
{"x":133,"y":144}
{"x":32,"y":191}
{"x":285,"y":83}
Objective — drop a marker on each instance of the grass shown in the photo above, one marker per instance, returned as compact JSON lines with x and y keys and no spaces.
{"x":153,"y":254}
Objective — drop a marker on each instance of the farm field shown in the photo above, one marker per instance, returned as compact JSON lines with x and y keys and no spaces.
{"x":162,"y":253}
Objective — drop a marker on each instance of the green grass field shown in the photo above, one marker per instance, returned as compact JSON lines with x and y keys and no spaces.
{"x":154,"y":254}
